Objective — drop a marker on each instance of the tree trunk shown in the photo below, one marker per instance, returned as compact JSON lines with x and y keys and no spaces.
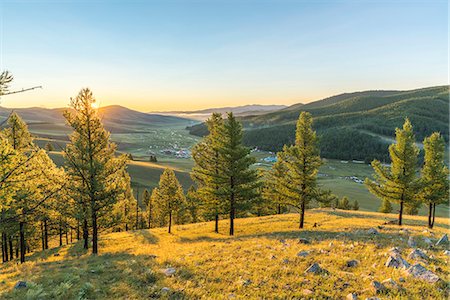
{"x":85,"y":234}
{"x":216,"y":226}
{"x":45,"y":234}
{"x":11,"y":252}
{"x":232,"y":211}
{"x":60,"y":233}
{"x":150,"y":217}
{"x":22,"y":241}
{"x":137,"y":208}
{"x":94,"y":233}
{"x":42,"y":235}
{"x":400,"y":214}
{"x":4,"y":248}
{"x":302,"y":215}
{"x":170,"y":221}
{"x":434,"y":214}
{"x":17,"y":246}
{"x":67,"y":238}
{"x":430,"y":213}
{"x":78,"y":230}
{"x":279,"y":208}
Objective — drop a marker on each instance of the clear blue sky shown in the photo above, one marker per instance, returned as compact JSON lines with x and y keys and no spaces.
{"x":165,"y":55}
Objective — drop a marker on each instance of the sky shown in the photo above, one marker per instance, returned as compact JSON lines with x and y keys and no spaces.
{"x":187,"y":55}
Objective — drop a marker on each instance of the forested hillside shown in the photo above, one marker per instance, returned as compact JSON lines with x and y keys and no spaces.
{"x":361,"y":119}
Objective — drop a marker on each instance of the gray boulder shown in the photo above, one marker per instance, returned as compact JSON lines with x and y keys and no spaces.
{"x":352,"y":263}
{"x":427,"y":241}
{"x":352,"y":296}
{"x":443,"y":240}
{"x":304,"y":241}
{"x":420,"y":272}
{"x":303,"y":253}
{"x":446,"y":252}
{"x":169,"y":271}
{"x":417,"y":254}
{"x":315,"y":269}
{"x":165,"y":290}
{"x":372,"y":231}
{"x":390,"y":283}
{"x":395,"y":260}
{"x":378,"y":287}
{"x":20,"y":284}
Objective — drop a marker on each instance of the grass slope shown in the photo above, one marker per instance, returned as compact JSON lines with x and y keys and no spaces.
{"x":259,"y":262}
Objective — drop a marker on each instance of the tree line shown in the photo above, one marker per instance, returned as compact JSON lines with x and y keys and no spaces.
{"x":93,"y":191}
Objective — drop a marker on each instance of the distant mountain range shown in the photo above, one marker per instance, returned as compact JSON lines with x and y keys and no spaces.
{"x":245,"y":110}
{"x":352,"y":125}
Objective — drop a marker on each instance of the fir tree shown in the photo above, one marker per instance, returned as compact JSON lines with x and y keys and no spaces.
{"x":386,"y":206}
{"x":91,"y":163}
{"x":193,"y":204}
{"x":344,"y":203}
{"x":207,"y":166}
{"x":434,"y":175}
{"x":238,"y":184}
{"x":355,"y":205}
{"x":301,"y":161}
{"x":397,"y":183}
{"x":169,"y":196}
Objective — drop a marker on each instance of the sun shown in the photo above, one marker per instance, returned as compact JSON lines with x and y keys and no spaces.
{"x":94,"y":105}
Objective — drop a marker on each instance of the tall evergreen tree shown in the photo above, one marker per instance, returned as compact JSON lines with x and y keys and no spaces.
{"x":91,"y":163}
{"x":147,"y":199}
{"x":398,"y":183}
{"x":205,"y":172}
{"x":238,"y":183}
{"x":434,"y":175}
{"x":301,"y":163}
{"x":169,"y":196}
{"x":193,"y":204}
{"x":386,"y":206}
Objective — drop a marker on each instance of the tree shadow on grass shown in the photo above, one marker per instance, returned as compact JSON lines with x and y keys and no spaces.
{"x":107,"y":276}
{"x":146,"y":236}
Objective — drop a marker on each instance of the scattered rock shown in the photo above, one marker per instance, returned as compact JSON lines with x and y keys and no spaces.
{"x":165,"y":290}
{"x":352,"y":296}
{"x":153,"y":256}
{"x":442,"y":240}
{"x":395,"y":260}
{"x":231,"y":296}
{"x":395,"y":250}
{"x":372,"y":231}
{"x":427,"y":241}
{"x":282,"y":241}
{"x":272,"y":257}
{"x":411,"y":242}
{"x":373,"y":298}
{"x":417,"y":254}
{"x":391,"y":222}
{"x":56,"y":254}
{"x":390,"y":283}
{"x":307,"y":292}
{"x":169,"y":271}
{"x":246,"y":282}
{"x":304,"y":241}
{"x":378,"y":287}
{"x":401,"y":279}
{"x":285,"y":261}
{"x":352,"y":263}
{"x":303,"y":253}
{"x":446,"y":252}
{"x":315,"y":269}
{"x":419,"y":271}
{"x":20,"y":284}
{"x":330,"y":244}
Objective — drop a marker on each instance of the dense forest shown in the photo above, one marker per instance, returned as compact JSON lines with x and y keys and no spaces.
{"x":361,"y":119}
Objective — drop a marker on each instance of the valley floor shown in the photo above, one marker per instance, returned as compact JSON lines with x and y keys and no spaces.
{"x":261,"y":261}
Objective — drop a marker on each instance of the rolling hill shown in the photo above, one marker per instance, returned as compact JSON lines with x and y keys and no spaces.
{"x":265,"y":260}
{"x":360,"y":119}
{"x":245,"y":110}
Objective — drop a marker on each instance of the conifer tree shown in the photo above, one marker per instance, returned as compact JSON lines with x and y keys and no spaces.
{"x":238,"y":183}
{"x":169,"y":196}
{"x":193,"y":204}
{"x":386,"y":206}
{"x":434,"y":175}
{"x":301,"y":162}
{"x":344,"y":203}
{"x":147,"y":199}
{"x":207,"y":166}
{"x":398,"y":183}
{"x":355,"y":205}
{"x":91,"y":163}
{"x":272,"y":190}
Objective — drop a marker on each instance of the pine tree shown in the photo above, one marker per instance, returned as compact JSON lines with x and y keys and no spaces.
{"x":238,"y":184}
{"x":193,"y":204}
{"x":434,"y":175}
{"x":344,"y":203}
{"x":206,"y":169}
{"x":355,"y":205}
{"x":301,"y":161}
{"x":93,"y":168}
{"x":169,"y":196}
{"x":386,"y":206}
{"x":397,"y":183}
{"x":147,"y":199}
{"x":49,"y":147}
{"x":272,"y":189}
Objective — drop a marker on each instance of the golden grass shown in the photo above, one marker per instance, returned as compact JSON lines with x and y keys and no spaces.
{"x":259,"y":262}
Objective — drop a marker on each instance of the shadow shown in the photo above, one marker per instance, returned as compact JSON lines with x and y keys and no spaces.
{"x":106,"y":276}
{"x":44,"y":254}
{"x":76,"y":250}
{"x":146,"y":236}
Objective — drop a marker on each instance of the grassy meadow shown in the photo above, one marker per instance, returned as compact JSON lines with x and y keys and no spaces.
{"x":260,"y":262}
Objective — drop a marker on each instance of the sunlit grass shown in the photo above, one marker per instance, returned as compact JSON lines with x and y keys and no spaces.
{"x":260,"y":261}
